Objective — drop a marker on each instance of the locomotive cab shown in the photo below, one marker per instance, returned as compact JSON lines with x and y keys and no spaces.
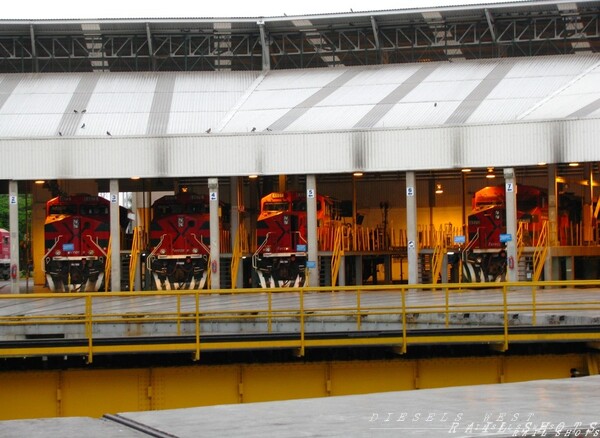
{"x":77,"y":232}
{"x":179,"y":238}
{"x":280,"y":260}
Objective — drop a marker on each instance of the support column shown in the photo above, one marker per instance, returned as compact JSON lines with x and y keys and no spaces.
{"x":137,"y":278}
{"x":264,"y":42}
{"x":237,"y":205}
{"x":215,"y":251}
{"x":510,"y":185}
{"x":115,"y":234}
{"x":311,"y":224}
{"x":13,"y":224}
{"x":550,"y":266}
{"x":342,"y":272}
{"x":411,"y":228}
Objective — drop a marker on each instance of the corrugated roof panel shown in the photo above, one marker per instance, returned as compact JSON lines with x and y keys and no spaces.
{"x":562,"y":106}
{"x":358,"y":95}
{"x":418,"y":114}
{"x":244,"y":121}
{"x":204,"y":101}
{"x":29,"y":125}
{"x":36,"y":104}
{"x":538,"y":86}
{"x":199,"y":82}
{"x":463,"y":70}
{"x":126,"y":102}
{"x":491,"y":111}
{"x":277,"y":99}
{"x":126,"y":83}
{"x":125,"y":123}
{"x":293,"y":79}
{"x":384,"y":74}
{"x":194,"y":122}
{"x":584,"y":84}
{"x":52,"y":83}
{"x":569,"y":65}
{"x":429,"y":91}
{"x":330,"y":118}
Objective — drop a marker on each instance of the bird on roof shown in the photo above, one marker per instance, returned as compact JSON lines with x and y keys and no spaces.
{"x":253,"y":129}
{"x":108,"y":133}
{"x":208,"y":131}
{"x":75,"y":111}
{"x":60,"y":133}
{"x":83,"y":126}
{"x":83,"y":111}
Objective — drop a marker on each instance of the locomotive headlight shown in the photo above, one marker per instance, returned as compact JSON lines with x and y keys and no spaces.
{"x":195,"y":250}
{"x":163,"y":251}
{"x":267,"y":249}
{"x":91,"y":252}
{"x":57,"y":252}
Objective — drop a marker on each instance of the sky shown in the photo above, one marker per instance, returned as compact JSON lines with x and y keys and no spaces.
{"x":82,"y":9}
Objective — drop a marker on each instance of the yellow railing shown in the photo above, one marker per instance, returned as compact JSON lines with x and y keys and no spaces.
{"x":338,"y":252}
{"x":136,"y":247}
{"x":520,"y":241}
{"x":437,"y":261}
{"x":236,"y":256}
{"x":108,"y":265}
{"x":541,"y":250}
{"x":182,"y":317}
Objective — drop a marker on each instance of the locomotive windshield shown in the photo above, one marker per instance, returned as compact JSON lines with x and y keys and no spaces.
{"x":299,"y":205}
{"x":63,"y":209}
{"x":94,"y":210}
{"x":276,"y":206}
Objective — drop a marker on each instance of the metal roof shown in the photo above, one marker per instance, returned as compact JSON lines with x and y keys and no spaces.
{"x":386,"y":96}
{"x":412,"y":116}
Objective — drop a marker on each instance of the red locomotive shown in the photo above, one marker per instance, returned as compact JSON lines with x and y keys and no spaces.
{"x":77,"y":232}
{"x":488,"y":218}
{"x":4,"y":254}
{"x":179,"y":240}
{"x":281,"y":231}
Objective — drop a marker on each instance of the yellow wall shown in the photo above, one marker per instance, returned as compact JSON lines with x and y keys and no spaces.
{"x":89,"y":392}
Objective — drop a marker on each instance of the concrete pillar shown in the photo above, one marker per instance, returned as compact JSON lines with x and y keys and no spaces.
{"x":411,"y":228}
{"x":13,"y":225}
{"x":550,"y":267}
{"x":237,"y":205}
{"x":215,"y":250}
{"x":115,"y":234}
{"x":311,"y":224}
{"x":342,"y":272}
{"x":358,"y":269}
{"x":510,"y":186}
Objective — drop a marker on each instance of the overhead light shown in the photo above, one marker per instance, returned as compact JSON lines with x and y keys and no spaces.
{"x":184,"y":189}
{"x":465,"y":170}
{"x":490,"y":173}
{"x":135,"y":177}
{"x":252,"y":176}
{"x":439,"y":189}
{"x":542,"y":163}
{"x":40,"y":181}
{"x":357,"y":174}
{"x":573,"y":164}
